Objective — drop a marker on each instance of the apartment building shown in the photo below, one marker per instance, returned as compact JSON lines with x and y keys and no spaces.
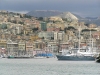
{"x":12,"y":48}
{"x":29,"y":48}
{"x":21,"y":47}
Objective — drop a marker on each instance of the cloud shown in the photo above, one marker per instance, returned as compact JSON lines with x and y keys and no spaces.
{"x":80,"y":6}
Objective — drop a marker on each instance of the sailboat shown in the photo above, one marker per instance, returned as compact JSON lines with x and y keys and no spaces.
{"x":78,"y":56}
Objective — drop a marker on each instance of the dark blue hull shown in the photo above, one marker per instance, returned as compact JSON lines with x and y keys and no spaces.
{"x":75,"y":58}
{"x":97,"y":59}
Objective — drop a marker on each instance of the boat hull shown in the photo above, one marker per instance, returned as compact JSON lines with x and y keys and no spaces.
{"x":75,"y":58}
{"x":97,"y":59}
{"x":19,"y":57}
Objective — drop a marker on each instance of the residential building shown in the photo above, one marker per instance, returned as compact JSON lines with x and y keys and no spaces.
{"x":40,"y":46}
{"x":3,"y":46}
{"x":43,"y":26}
{"x":59,"y":35}
{"x":29,"y":48}
{"x":21,"y":47}
{"x":12,"y":48}
{"x":46,"y":35}
{"x":3,"y":43}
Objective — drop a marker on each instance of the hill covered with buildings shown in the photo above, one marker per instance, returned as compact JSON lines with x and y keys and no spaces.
{"x":23,"y":34}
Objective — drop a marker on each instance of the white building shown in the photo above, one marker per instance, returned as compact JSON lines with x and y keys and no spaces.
{"x":59,"y":35}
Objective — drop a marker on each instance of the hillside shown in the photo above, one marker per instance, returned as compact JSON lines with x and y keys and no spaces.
{"x":69,"y":15}
{"x":44,"y":13}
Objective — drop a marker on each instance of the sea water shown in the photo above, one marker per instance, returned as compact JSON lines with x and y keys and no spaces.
{"x":47,"y":66}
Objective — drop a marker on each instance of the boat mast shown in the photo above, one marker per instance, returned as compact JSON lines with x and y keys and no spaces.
{"x":79,"y":38}
{"x":91,"y":42}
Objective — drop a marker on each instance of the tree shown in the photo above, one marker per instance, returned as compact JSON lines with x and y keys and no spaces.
{"x":21,"y":22}
{"x":35,"y":29}
{"x":64,"y":19}
{"x":40,"y":18}
{"x":4,"y":26}
{"x":27,"y":16}
{"x":52,"y":38}
{"x":88,"y":30}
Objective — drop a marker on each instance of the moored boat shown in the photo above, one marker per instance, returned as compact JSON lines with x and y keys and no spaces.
{"x":97,"y":59}
{"x":79,"y":54}
{"x":43,"y":55}
{"x":19,"y":57}
{"x":75,"y":54}
{"x":75,"y":57}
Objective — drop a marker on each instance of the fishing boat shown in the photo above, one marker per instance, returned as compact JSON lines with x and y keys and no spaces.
{"x":87,"y":55}
{"x":79,"y":56}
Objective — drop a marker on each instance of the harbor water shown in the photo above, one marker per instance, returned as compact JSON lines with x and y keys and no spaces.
{"x":47,"y":66}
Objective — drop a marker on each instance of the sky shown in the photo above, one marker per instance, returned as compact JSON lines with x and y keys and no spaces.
{"x":85,"y":8}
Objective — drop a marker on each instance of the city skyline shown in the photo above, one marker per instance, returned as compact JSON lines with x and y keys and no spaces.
{"x":85,"y":8}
